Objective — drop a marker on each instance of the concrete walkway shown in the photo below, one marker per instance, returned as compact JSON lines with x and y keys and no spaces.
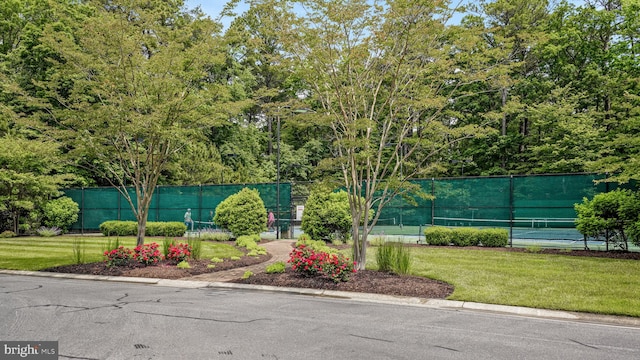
{"x":279,"y":250}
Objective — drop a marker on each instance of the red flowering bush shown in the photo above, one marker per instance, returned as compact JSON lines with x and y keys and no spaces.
{"x":178,"y":253}
{"x":309,"y":263}
{"x":147,"y":254}
{"x":118,"y":256}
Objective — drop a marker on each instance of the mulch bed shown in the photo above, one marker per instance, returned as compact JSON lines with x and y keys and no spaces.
{"x":365,"y":281}
{"x":163,"y":270}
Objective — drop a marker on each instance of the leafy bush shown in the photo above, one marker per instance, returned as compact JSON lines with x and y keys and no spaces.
{"x":242,"y":213}
{"x":7,"y":234}
{"x":276,"y":268}
{"x":48,"y":232}
{"x":234,"y":258}
{"x":465,"y":237}
{"x":248,"y":241}
{"x":118,"y":257}
{"x":178,"y":253}
{"x":616,"y":212}
{"x":130,"y":228}
{"x":147,"y":254}
{"x":442,"y":236}
{"x":61,"y":212}
{"x":216,"y":260}
{"x":394,"y":257}
{"x":119,"y":228}
{"x":168,"y":228}
{"x":317,"y":246}
{"x":438,"y":236}
{"x":304,"y":237}
{"x":309,"y":263}
{"x":494,"y":237}
{"x":247,"y":274}
{"x":183,"y":265}
{"x":327,"y":215}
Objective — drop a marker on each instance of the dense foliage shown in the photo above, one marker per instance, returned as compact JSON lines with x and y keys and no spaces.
{"x":614,"y":216}
{"x":242,"y":213}
{"x":327,"y":215}
{"x":516,"y":86}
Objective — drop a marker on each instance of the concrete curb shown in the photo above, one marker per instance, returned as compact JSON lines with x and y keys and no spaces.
{"x":355,"y":296}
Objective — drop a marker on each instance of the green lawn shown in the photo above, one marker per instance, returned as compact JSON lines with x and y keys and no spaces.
{"x":595,"y":285}
{"x":37,"y":253}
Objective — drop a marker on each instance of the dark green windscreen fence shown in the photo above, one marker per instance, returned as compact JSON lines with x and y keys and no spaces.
{"x":169,"y":203}
{"x":534,"y":207}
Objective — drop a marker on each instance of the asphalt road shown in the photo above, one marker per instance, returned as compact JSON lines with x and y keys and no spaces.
{"x":114,"y":320}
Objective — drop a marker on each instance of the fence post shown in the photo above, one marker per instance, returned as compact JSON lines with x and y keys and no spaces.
{"x":433,"y":201}
{"x":82,"y":212}
{"x":511,"y":211}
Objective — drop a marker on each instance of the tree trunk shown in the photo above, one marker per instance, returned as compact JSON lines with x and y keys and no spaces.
{"x":142,"y":227}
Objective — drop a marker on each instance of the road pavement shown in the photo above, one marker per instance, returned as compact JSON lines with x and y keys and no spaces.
{"x":131,"y":319}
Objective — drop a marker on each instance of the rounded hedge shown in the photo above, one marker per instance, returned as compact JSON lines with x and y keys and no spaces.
{"x":242,"y":213}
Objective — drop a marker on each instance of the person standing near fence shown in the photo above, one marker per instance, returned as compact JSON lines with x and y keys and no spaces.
{"x":187,"y":219}
{"x":270,"y":220}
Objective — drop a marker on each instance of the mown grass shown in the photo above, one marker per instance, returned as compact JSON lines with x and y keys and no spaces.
{"x":37,"y":253}
{"x":571,"y":283}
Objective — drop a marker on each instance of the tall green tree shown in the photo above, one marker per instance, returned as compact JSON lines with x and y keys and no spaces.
{"x":384,"y":76}
{"x":134,"y":85}
{"x":29,"y":176}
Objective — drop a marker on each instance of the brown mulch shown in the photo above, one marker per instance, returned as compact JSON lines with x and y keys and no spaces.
{"x":365,"y":281}
{"x":163,"y":270}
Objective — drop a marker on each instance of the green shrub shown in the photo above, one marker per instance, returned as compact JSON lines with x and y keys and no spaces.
{"x":184,"y":264}
{"x":438,"y":236}
{"x":317,"y":246}
{"x":242,"y":213}
{"x":216,"y":260}
{"x":130,"y":228}
{"x":615,"y":212}
{"x":119,"y":228}
{"x":304,"y":237}
{"x":248,"y":241}
{"x":465,"y":237}
{"x":118,"y":257}
{"x":494,"y":237}
{"x":61,"y":212}
{"x":276,"y":267}
{"x":234,"y":258}
{"x":247,"y":274}
{"x":7,"y":234}
{"x":394,"y":257}
{"x":534,"y":249}
{"x":169,"y":228}
{"x":327,"y":215}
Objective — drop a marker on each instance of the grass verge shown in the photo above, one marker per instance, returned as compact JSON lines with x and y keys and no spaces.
{"x":570,"y":283}
{"x":37,"y":253}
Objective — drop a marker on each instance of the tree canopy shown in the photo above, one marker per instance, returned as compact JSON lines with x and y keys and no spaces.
{"x":368,"y":94}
